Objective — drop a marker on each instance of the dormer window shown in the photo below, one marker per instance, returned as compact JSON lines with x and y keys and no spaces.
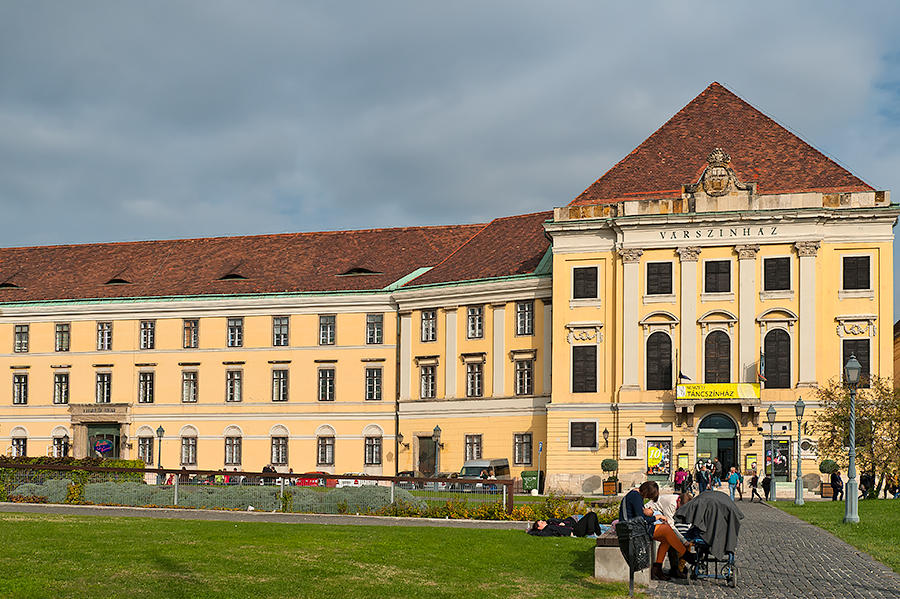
{"x":359,"y":270}
{"x":232,"y":276}
{"x":9,"y":285}
{"x":117,"y":281}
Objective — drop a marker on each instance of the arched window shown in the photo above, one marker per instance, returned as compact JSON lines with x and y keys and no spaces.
{"x":777,"y":352}
{"x":659,"y":361}
{"x":718,"y":358}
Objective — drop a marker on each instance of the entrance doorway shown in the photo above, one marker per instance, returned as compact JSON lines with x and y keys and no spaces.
{"x":717,"y":438}
{"x":427,"y":456}
{"x":103,"y":441}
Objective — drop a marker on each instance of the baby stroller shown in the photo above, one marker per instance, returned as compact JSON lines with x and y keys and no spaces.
{"x":712,"y":523}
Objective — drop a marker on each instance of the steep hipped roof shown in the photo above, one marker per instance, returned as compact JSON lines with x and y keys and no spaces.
{"x":761,"y":150}
{"x":295,"y":262}
{"x":512,"y":245}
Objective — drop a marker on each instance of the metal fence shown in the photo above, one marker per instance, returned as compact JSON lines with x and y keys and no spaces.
{"x":315,"y":492}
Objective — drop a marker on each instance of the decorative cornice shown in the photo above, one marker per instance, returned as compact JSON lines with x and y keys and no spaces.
{"x":746,"y":252}
{"x":688,"y":254}
{"x":807,"y":248}
{"x":631,"y":255}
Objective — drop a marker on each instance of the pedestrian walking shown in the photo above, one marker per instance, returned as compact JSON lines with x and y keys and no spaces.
{"x":717,"y":473}
{"x":733,"y":479}
{"x":837,"y":486}
{"x":754,"y":482}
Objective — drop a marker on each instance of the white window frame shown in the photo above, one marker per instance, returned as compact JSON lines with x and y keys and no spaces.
{"x":281,"y":331}
{"x":374,"y":329}
{"x":188,"y":382}
{"x":60,"y":388}
{"x":234,"y":385}
{"x":325,"y":445}
{"x":21,"y":338}
{"x":106,"y":387}
{"x":280,"y":385}
{"x":525,"y":318}
{"x":147,"y":330}
{"x":279,"y":445}
{"x":524,"y":377}
{"x":146,"y":386}
{"x":372,"y":450}
{"x":517,"y":443}
{"x":427,"y":384}
{"x":327,"y":329}
{"x":374,"y":378}
{"x":473,"y":446}
{"x":189,"y":451}
{"x":145,"y":450}
{"x":104,"y":335}
{"x":194,"y":341}
{"x":328,"y":392}
{"x":234,"y":449}
{"x":234,"y":333}
{"x":62,"y":334}
{"x":429,"y":331}
{"x":475,"y":322}
{"x":474,"y":379}
{"x":20,"y":388}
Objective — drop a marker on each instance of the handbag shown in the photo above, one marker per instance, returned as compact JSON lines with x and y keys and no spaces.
{"x":634,"y":540}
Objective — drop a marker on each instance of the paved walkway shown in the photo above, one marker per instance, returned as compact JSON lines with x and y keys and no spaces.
{"x":780,"y":556}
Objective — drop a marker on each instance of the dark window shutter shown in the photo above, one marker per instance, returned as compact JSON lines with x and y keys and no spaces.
{"x":856,"y":273}
{"x":659,"y":278}
{"x":718,"y":358}
{"x":584,"y":369}
{"x":777,"y":274}
{"x":860,"y":349}
{"x":659,"y":361}
{"x":718,"y":276}
{"x":583,"y":434}
{"x":585,"y":282}
{"x":777,"y":351}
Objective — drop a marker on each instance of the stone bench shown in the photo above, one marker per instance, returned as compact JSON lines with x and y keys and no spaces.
{"x":609,"y":564}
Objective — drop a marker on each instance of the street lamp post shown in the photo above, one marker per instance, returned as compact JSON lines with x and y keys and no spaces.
{"x":770,"y":416}
{"x":65,"y":447}
{"x":852,"y":371}
{"x":159,"y":434}
{"x":798,"y":484}
{"x":436,"y":437}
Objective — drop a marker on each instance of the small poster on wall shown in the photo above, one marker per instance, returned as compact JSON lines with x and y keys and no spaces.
{"x":683,"y":461}
{"x":659,"y":457}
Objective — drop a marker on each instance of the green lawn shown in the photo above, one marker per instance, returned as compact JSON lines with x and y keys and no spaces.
{"x":876,"y":533}
{"x":85,"y":556}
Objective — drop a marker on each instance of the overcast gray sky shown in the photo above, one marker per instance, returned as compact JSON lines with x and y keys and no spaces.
{"x":137,"y":120}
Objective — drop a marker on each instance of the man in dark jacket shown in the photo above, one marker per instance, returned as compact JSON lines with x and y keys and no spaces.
{"x":703,"y":478}
{"x":837,"y":486}
{"x":567,"y":527}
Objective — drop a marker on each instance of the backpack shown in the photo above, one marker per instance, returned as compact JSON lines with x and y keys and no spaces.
{"x":634,"y":540}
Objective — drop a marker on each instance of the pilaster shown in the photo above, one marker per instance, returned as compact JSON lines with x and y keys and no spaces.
{"x":807,"y":251}
{"x":450,"y":353}
{"x":688,"y":342}
{"x":748,"y":352}
{"x":631,"y":282}
{"x":405,"y":354}
{"x":498,"y":369}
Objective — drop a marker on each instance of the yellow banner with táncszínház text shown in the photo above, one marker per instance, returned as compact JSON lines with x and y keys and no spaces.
{"x":718,"y":391}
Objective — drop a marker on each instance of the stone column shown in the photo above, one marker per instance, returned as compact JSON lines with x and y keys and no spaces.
{"x":748,"y":350}
{"x":547,"y":357}
{"x":450,"y":353}
{"x":688,"y":351}
{"x":497,"y":369}
{"x":806,"y":345}
{"x":631,"y":300}
{"x":405,"y":354}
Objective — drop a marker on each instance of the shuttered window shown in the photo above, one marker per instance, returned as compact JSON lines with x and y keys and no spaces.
{"x":659,"y":361}
{"x":583,"y":434}
{"x":718,"y":358}
{"x":659,"y":278}
{"x":718,"y":276}
{"x":777,"y":274}
{"x":777,"y":352}
{"x":584,"y":369}
{"x":860,"y":349}
{"x":584,"y":282}
{"x":856,"y":273}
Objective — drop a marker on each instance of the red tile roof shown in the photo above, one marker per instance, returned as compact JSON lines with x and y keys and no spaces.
{"x":512,"y":245}
{"x":761,"y":150}
{"x":295,"y":262}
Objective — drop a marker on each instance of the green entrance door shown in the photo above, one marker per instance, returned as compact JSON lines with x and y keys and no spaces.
{"x":103,"y":441}
{"x":717,"y":438}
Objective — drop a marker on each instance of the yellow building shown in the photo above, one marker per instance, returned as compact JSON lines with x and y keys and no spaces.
{"x":636,"y":323}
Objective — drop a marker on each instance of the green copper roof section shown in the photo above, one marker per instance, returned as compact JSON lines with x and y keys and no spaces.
{"x":406,"y":279}
{"x":545,"y":266}
{"x":531,"y":275}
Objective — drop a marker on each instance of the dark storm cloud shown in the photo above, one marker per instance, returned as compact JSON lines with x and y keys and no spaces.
{"x":136,"y":120}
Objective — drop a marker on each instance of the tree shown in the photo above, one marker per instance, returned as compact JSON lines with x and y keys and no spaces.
{"x":877,"y":425}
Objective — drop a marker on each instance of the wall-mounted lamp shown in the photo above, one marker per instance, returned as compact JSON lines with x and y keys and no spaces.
{"x":436,"y":437}
{"x":400,"y":441}
{"x":606,"y":437}
{"x":631,"y":430}
{"x":682,"y":442}
{"x":751,"y":441}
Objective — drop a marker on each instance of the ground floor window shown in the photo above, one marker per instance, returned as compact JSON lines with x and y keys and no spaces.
{"x":19,"y":447}
{"x":473,"y":447}
{"x":325,"y":453}
{"x":373,"y":451}
{"x":145,"y":450}
{"x":522,"y":449}
{"x":279,"y":451}
{"x":233,"y":451}
{"x":189,"y":451}
{"x":583,"y":435}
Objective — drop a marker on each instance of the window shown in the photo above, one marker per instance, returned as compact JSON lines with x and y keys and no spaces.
{"x":327,"y":333}
{"x":189,"y":386}
{"x":326,"y":384}
{"x":525,"y":318}
{"x":20,"y":389}
{"x":63,"y":336}
{"x":279,"y":384}
{"x":475,"y":322}
{"x":148,"y":334}
{"x":429,"y":325}
{"x":60,"y":447}
{"x":860,"y":349}
{"x":325,"y":451}
{"x":20,"y":447}
{"x":776,"y":274}
{"x":856,"y":273}
{"x":631,"y":447}
{"x":280,"y":329}
{"x":235,"y":336}
{"x":584,"y":369}
{"x":373,"y":451}
{"x":777,"y":360}
{"x":583,"y":434}
{"x":522,"y":449}
{"x":524,"y":377}
{"x":61,"y":388}
{"x":145,"y":450}
{"x":473,"y":447}
{"x":233,"y":451}
{"x":234,"y":380}
{"x":373,"y":384}
{"x":104,"y":336}
{"x":659,"y":278}
{"x":189,"y":451}
{"x":659,"y":362}
{"x":718,"y":358}
{"x":474,"y":379}
{"x":20,"y":343}
{"x":104,"y":387}
{"x":145,"y":387}
{"x":374,"y":329}
{"x":279,"y":451}
{"x":427,"y":379}
{"x":584,"y":282}
{"x":718,"y":276}
{"x":191,"y":333}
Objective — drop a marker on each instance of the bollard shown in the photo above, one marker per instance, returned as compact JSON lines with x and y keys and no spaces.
{"x":281,"y":493}
{"x":392,"y":492}
{"x":176,"y":489}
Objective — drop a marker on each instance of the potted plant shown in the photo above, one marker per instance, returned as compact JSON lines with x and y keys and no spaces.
{"x":611,"y":484}
{"x":827,"y":467}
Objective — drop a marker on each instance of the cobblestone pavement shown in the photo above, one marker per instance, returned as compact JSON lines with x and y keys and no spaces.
{"x":780,"y":556}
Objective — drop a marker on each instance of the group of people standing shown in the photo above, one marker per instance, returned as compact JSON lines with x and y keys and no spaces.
{"x":709,"y":475}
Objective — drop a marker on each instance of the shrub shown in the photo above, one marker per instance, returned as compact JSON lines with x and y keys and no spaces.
{"x":51,"y":491}
{"x":828,"y":466}
{"x":609,"y":465}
